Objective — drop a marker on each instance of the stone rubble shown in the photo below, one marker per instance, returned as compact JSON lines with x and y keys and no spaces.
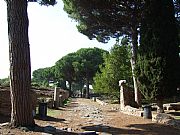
{"x":87,"y":112}
{"x":166,"y":119}
{"x":90,"y":112}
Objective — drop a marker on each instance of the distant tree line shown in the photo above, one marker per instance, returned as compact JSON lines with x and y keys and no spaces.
{"x":87,"y":66}
{"x":155,"y":59}
{"x":76,"y":68}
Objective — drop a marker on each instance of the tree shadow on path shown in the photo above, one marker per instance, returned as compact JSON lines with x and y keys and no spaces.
{"x":155,"y":128}
{"x":138,"y":129}
{"x":174,"y":113}
{"x":36,"y":128}
{"x":49,"y":118}
{"x":4,"y":119}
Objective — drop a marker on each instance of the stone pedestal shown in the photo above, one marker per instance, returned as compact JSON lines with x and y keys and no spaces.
{"x":122,"y":96}
{"x":60,"y":100}
{"x":126,"y":95}
{"x":56,"y":97}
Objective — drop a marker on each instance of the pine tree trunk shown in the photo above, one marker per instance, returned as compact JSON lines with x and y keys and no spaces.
{"x":133,"y":63}
{"x":81,"y":93}
{"x":63,"y":85}
{"x":20,"y":69}
{"x":160,"y":108}
{"x":70,"y":87}
{"x":87,"y":87}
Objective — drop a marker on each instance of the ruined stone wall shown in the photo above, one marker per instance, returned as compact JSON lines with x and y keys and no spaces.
{"x":5,"y":101}
{"x":64,"y":93}
{"x":128,"y":96}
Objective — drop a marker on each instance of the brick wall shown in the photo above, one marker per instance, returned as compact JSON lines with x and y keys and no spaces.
{"x":5,"y":102}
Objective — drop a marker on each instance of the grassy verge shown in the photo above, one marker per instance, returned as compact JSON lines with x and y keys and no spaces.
{"x":50,"y":112}
{"x":177,"y":117}
{"x":67,"y":101}
{"x":53,"y":113}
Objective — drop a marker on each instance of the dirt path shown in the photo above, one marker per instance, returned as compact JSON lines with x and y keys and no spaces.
{"x":85,"y":115}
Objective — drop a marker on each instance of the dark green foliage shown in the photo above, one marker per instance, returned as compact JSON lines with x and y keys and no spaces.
{"x":158,"y":61}
{"x":60,"y":82}
{"x":48,"y":2}
{"x":104,"y":19}
{"x":4,"y":82}
{"x":117,"y":67}
{"x":65,"y":69}
{"x":88,"y":64}
{"x":79,"y":67}
{"x":44,"y":2}
{"x":42,"y":76}
{"x":78,"y":85}
{"x":90,"y":59}
{"x":66,"y":101}
{"x":150,"y":76}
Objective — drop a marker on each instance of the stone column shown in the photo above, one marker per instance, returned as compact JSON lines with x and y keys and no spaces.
{"x":60,"y":100}
{"x":56,"y":97}
{"x":122,"y":96}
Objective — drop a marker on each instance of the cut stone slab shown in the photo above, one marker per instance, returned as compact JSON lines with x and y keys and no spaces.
{"x":88,"y":133}
{"x":46,"y":134}
{"x":4,"y":124}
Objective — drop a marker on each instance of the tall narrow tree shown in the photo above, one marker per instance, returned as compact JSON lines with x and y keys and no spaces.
{"x":20,"y":66}
{"x":116,"y":66}
{"x":158,"y":64}
{"x":19,"y":57}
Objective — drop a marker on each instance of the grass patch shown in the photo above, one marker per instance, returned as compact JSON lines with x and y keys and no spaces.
{"x":52,"y":112}
{"x":67,"y":101}
{"x":177,"y":117}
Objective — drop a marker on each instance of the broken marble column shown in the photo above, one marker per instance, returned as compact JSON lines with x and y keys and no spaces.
{"x":56,"y":97}
{"x":122,"y":92}
{"x":61,"y":100}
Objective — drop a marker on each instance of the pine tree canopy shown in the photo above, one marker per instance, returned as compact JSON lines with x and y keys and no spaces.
{"x":104,"y":19}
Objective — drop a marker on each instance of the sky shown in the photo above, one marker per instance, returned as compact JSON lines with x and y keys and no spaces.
{"x":51,"y":35}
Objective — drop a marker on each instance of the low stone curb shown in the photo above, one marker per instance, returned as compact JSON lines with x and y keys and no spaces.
{"x":166,"y":119}
{"x":101,"y":102}
{"x":132,"y":111}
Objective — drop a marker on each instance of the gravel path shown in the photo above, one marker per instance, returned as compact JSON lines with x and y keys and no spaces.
{"x":85,"y":115}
